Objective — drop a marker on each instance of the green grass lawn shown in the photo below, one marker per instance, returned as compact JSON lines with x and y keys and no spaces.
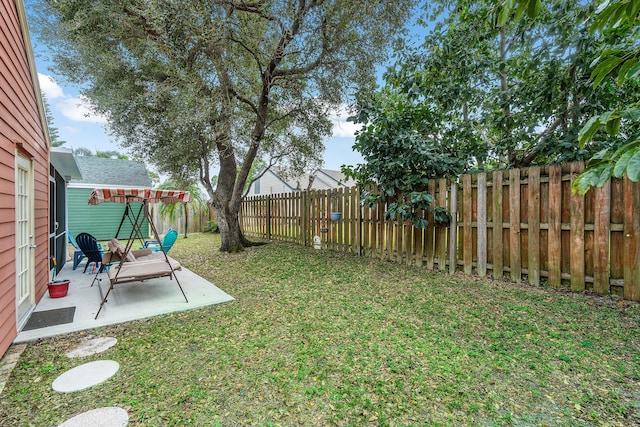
{"x":317,"y":338}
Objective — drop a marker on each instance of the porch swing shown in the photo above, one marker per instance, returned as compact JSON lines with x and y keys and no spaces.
{"x":124,"y":264}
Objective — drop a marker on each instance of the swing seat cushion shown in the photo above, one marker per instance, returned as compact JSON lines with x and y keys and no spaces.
{"x":115,"y":247}
{"x":145,"y":268}
{"x":138,"y":265}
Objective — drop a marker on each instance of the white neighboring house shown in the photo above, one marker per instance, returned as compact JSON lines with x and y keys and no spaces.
{"x":322,"y":179}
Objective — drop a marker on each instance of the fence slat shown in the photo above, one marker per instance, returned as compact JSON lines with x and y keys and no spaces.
{"x":632,"y":240}
{"x":408,"y":242}
{"x":363,"y":228}
{"x":601,"y":239}
{"x":340,"y":223}
{"x":482,"y":224}
{"x":533,"y":263}
{"x":453,"y":229}
{"x":429,"y":240}
{"x":441,"y":231}
{"x":515,"y":263}
{"x":467,"y":217}
{"x":304,"y":226}
{"x":555,"y":213}
{"x":382,"y":227}
{"x":498,"y":232}
{"x":577,"y":234}
{"x":418,"y":242}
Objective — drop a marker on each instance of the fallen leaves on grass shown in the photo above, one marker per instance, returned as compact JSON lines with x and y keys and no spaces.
{"x":323,"y":338}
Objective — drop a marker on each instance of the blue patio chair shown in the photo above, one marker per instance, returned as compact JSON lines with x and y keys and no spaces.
{"x":167,"y":242}
{"x":78,"y":255}
{"x":149,"y":244}
{"x":91,"y":249}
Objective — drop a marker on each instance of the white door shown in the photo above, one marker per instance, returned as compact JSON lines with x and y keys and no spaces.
{"x":25,"y":253}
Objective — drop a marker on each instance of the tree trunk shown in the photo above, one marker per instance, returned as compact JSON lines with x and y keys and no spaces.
{"x":233,"y":240}
{"x":226,"y":206}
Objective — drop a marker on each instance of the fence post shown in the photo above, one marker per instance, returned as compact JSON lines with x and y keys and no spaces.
{"x":429,"y":238}
{"x":453,"y":227}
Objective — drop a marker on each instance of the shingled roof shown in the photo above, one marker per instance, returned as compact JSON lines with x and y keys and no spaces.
{"x":99,"y":171}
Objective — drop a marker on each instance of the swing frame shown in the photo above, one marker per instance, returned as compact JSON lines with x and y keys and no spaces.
{"x":117,"y":258}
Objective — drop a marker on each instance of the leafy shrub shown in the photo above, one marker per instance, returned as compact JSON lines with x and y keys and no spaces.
{"x":211,"y":227}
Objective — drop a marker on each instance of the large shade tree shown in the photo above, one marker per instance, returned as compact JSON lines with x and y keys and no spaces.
{"x":196,"y":84}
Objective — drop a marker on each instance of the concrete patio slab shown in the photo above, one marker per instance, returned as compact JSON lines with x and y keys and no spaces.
{"x":127,"y":301}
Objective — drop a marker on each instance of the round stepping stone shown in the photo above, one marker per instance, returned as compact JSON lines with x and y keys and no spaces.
{"x":85,"y":376}
{"x":91,"y":345}
{"x":100,"y":417}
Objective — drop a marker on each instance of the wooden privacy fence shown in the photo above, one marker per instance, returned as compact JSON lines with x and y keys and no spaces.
{"x":197,"y":220}
{"x":518,"y":223}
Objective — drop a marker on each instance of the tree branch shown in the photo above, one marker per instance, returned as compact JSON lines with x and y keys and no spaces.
{"x":263,"y":100}
{"x":541,"y":141}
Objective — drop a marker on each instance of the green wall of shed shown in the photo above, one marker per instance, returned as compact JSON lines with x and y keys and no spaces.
{"x":101,"y":221}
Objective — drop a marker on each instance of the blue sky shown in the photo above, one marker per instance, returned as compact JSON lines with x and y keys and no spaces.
{"x":79,"y":127}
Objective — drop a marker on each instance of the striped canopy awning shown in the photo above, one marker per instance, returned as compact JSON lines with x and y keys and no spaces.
{"x":150,"y":195}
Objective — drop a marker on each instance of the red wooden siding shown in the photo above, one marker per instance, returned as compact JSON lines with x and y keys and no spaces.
{"x":21,"y":130}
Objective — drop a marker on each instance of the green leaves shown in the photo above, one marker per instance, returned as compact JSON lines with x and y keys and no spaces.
{"x":632,"y":167}
{"x":588,"y":130}
{"x":611,"y":121}
{"x":623,"y":64}
{"x":621,"y":16}
{"x":631,"y":70}
{"x":604,"y":69}
{"x":593,"y":177}
{"x":625,"y":161}
{"x":614,"y":13}
{"x":617,"y":18}
{"x":518,"y":8}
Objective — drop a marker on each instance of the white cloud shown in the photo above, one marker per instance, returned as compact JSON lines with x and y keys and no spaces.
{"x":79,"y":109}
{"x":49,"y":86}
{"x":76,"y":108}
{"x":70,"y":130}
{"x":341,"y":127}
